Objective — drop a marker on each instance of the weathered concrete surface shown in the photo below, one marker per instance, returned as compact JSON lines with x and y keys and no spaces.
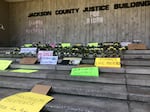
{"x":139,"y":107}
{"x":37,"y":67}
{"x":138,"y":71}
{"x":143,"y":52}
{"x":139,"y":93}
{"x":136,"y":62}
{"x":85,"y":104}
{"x":140,"y":80}
{"x":68,"y":87}
{"x":136,"y":56}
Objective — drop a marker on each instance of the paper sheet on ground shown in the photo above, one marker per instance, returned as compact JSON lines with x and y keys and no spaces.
{"x":24,"y":102}
{"x":4,"y":64}
{"x":24,"y":71}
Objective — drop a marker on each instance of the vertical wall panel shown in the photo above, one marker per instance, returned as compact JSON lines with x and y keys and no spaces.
{"x":113,"y":25}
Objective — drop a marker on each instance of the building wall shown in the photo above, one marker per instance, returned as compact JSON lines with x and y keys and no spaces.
{"x":4,"y":37}
{"x":125,"y":24}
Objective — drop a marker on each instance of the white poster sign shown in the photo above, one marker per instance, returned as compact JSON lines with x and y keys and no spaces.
{"x":52,"y":60}
{"x":42,"y":54}
{"x":28,"y":50}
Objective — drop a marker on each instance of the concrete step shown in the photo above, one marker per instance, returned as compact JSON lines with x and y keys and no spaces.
{"x":139,"y":80}
{"x":68,"y":87}
{"x":139,"y":107}
{"x":62,"y":67}
{"x":109,"y":78}
{"x":137,"y":70}
{"x":72,"y":103}
{"x":136,"y":56}
{"x":137,"y":93}
{"x":136,"y":62}
{"x":137,"y":52}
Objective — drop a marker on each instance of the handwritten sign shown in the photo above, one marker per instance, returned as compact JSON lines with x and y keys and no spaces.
{"x":28,"y":50}
{"x":4,"y":64}
{"x":85,"y":71}
{"x":44,"y":54}
{"x":24,"y":71}
{"x":93,"y":44}
{"x":65,"y":44}
{"x":24,"y":102}
{"x":52,"y":60}
{"x":108,"y":62}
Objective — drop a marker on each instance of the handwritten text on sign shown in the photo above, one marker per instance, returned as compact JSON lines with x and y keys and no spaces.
{"x":52,"y":60}
{"x":85,"y":71}
{"x":24,"y":102}
{"x":44,"y":54}
{"x":108,"y":62}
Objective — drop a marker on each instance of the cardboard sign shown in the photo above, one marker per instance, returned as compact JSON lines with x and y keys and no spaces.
{"x":65,"y":44}
{"x":28,"y":50}
{"x":41,"y":89}
{"x":24,"y":71}
{"x":44,"y":54}
{"x":108,"y":62}
{"x":85,"y":71}
{"x":28,"y":61}
{"x":93,"y":44}
{"x":4,"y":64}
{"x":24,"y":102}
{"x":52,"y":60}
{"x":136,"y":46}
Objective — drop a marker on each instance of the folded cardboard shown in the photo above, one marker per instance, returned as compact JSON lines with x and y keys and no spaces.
{"x":137,"y":47}
{"x":41,"y":89}
{"x":28,"y":61}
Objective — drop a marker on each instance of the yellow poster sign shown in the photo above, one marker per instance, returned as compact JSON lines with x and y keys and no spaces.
{"x":24,"y":102}
{"x":108,"y":62}
{"x":4,"y":64}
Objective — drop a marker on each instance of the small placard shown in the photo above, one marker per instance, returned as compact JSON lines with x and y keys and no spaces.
{"x":4,"y":64}
{"x":27,"y":45}
{"x":28,"y":50}
{"x":85,"y":71}
{"x":42,"y":54}
{"x":93,"y":44}
{"x":52,"y":60}
{"x":65,"y":44}
{"x":137,"y":47}
{"x":24,"y":71}
{"x":28,"y":61}
{"x":108,"y":62}
{"x":41,"y":89}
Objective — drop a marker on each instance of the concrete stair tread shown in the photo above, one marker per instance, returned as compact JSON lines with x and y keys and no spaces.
{"x":137,"y":93}
{"x":71,"y":103}
{"x":65,"y":75}
{"x":68,"y":87}
{"x":137,"y":70}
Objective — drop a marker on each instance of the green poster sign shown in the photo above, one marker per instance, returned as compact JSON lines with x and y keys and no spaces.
{"x":4,"y":64}
{"x":65,"y":44}
{"x":27,"y":45}
{"x":24,"y":71}
{"x":93,"y":44}
{"x":85,"y":71}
